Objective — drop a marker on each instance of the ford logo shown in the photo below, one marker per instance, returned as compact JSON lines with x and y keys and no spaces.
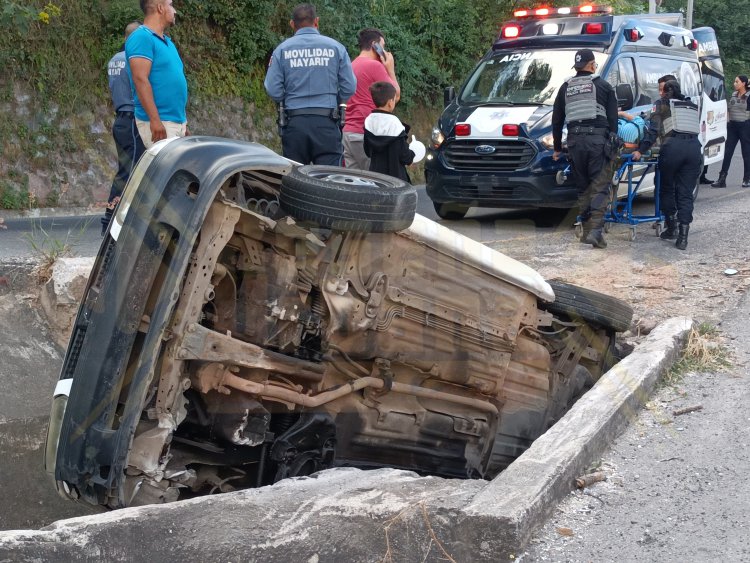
{"x":484,"y":149}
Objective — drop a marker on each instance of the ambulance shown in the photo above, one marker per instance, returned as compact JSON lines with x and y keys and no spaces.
{"x":492,"y":145}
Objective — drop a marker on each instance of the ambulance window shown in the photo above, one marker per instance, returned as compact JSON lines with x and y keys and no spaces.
{"x":713,"y":78}
{"x":622,"y":73}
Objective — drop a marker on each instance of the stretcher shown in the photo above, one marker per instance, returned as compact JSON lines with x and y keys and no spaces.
{"x":620,"y":208}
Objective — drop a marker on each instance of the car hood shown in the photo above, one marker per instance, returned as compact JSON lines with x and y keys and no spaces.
{"x":487,"y":120}
{"x":476,"y":254}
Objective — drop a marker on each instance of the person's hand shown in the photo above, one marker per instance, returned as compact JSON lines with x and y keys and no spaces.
{"x":158,"y":131}
{"x":635,"y":155}
{"x":187,"y":131}
{"x":556,"y":155}
{"x":389,"y":62}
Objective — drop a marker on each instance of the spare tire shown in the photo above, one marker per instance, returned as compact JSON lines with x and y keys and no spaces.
{"x":348,"y":200}
{"x":594,"y":307}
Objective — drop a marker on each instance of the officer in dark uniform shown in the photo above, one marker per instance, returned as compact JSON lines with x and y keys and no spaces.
{"x":309,"y":76}
{"x":127,"y":140}
{"x":675,"y":121}
{"x":589,"y":105}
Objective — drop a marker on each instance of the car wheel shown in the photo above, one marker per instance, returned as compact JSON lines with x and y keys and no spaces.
{"x":592,"y":306}
{"x":344,"y":200}
{"x":450,"y":211}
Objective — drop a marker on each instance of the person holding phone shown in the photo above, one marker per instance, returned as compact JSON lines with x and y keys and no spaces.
{"x":374,"y":64}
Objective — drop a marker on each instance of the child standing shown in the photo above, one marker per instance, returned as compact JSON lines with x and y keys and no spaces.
{"x":385,"y":135}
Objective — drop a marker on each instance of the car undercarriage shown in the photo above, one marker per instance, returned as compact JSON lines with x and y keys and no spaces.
{"x":259,"y":339}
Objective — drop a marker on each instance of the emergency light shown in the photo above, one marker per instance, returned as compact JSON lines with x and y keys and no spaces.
{"x":593,"y":28}
{"x":586,"y":10}
{"x":463,"y":129}
{"x":691,"y":44}
{"x":511,"y":130}
{"x":633,"y":34}
{"x":510,"y":31}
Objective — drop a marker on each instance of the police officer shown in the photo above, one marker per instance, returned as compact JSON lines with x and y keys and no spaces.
{"x":127,"y":140}
{"x":310,"y":75}
{"x":589,"y":105}
{"x":675,"y":121}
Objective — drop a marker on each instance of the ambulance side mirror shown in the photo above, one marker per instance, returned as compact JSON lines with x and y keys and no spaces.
{"x":449,"y":94}
{"x":625,"y":98}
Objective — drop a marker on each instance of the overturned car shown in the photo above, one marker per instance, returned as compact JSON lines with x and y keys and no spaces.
{"x":248,"y":320}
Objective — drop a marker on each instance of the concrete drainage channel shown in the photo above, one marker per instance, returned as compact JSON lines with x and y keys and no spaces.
{"x":348,"y":514}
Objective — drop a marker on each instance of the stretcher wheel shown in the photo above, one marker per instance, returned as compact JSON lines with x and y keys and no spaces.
{"x":606,"y":227}
{"x":632,"y":233}
{"x":658,"y":228}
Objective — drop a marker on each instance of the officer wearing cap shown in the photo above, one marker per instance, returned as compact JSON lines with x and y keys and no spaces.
{"x":675,"y":121}
{"x":309,"y":76}
{"x":589,"y":105}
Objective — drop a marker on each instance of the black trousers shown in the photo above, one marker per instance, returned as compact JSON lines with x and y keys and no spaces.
{"x":129,"y":150}
{"x":312,"y":139}
{"x":592,"y":174}
{"x":680,"y":164}
{"x":737,"y":132}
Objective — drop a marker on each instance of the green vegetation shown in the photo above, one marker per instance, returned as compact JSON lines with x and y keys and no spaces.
{"x":704,"y":351}
{"x":57,"y":50}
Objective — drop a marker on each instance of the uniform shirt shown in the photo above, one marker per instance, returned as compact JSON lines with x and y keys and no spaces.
{"x":167,"y":76}
{"x":360,"y":105}
{"x":310,"y":70}
{"x":659,"y":113}
{"x":605,"y":96}
{"x":118,"y":74}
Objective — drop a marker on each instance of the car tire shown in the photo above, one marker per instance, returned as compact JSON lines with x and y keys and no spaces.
{"x":594,"y":307}
{"x":348,"y":200}
{"x":450,"y":211}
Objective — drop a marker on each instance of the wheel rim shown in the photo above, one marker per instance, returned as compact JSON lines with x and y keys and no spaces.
{"x":349,"y":179}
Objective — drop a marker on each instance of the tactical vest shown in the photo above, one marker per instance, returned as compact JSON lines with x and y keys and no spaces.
{"x":684,"y":118}
{"x":580,"y":100}
{"x":738,"y":108}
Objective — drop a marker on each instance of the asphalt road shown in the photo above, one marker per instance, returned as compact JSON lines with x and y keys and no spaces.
{"x":25,"y":237}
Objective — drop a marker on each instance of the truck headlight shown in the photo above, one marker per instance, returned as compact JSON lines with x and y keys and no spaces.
{"x":437,"y":138}
{"x":548,"y":142}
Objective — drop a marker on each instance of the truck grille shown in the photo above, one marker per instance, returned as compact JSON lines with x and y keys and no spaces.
{"x":508,"y":155}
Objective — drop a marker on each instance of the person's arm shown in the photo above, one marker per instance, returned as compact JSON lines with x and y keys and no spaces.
{"x":140,"y":69}
{"x":558,"y":120}
{"x":347,"y":80}
{"x":390,"y":67}
{"x":406,"y":155}
{"x":652,"y":132}
{"x":612,"y":110}
{"x":274,"y":82}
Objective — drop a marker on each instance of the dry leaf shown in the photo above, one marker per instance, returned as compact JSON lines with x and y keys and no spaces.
{"x":565,"y":531}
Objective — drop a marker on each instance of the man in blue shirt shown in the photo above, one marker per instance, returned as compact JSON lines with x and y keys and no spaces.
{"x":127,"y":140}
{"x":158,"y":75}
{"x":310,"y":74}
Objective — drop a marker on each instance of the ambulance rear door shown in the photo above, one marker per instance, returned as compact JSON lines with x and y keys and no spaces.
{"x":714,"y":101}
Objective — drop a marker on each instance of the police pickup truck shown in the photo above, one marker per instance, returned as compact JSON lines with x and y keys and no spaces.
{"x":492,"y":146}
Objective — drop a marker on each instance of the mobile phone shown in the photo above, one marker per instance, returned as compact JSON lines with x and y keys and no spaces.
{"x":379,"y":50}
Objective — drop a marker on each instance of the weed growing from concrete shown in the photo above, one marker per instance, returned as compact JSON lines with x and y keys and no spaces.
{"x":49,"y":249}
{"x":704,"y":352}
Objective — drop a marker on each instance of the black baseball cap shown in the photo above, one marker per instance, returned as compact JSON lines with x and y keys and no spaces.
{"x":583,"y":57}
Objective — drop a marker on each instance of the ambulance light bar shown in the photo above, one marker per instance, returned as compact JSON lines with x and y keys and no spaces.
{"x":585,"y":10}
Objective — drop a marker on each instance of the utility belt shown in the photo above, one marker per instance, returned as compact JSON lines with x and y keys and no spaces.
{"x":584,"y":130}
{"x":325,"y":112}
{"x":128,"y":114}
{"x":682,"y":136}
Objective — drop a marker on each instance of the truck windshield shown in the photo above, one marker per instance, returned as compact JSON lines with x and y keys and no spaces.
{"x":528,"y":77}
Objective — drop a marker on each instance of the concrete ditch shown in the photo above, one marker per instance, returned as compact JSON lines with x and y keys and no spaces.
{"x":353,"y":515}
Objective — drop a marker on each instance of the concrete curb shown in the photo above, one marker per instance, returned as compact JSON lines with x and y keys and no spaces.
{"x":46,"y":212}
{"x":351,"y":515}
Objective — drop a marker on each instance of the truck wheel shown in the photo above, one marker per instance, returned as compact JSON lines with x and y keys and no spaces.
{"x":450,"y":211}
{"x":344,"y":200}
{"x":603,"y":310}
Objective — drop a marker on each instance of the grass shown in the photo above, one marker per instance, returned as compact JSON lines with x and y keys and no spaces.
{"x":704,"y":352}
{"x":49,"y":249}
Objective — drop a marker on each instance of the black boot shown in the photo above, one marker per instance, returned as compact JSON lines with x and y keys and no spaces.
{"x":682,"y":236}
{"x":703,"y":180}
{"x":585,"y":231}
{"x":596,"y":239}
{"x":670,"y":230}
{"x":721,"y":182}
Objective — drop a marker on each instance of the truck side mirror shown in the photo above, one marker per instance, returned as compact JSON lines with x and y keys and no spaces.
{"x":625,"y":98}
{"x":449,"y":94}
